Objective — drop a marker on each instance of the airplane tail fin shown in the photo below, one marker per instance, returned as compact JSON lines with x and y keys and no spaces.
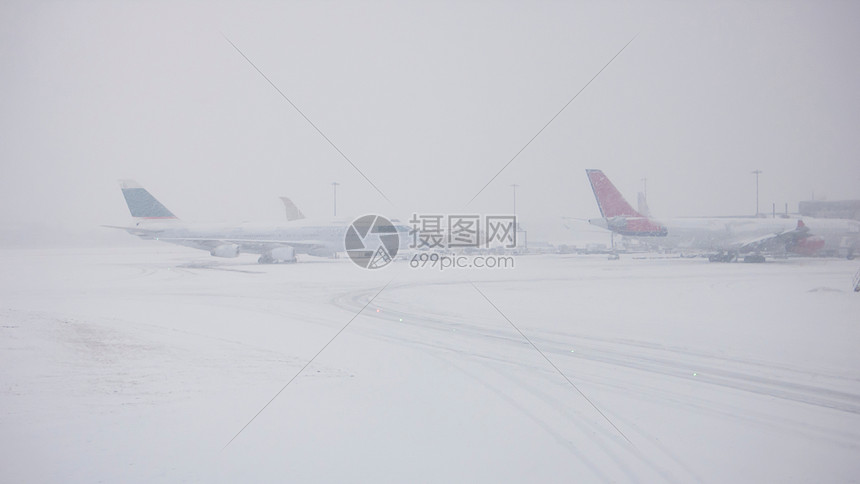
{"x":293,"y":212}
{"x":142,"y":204}
{"x":609,"y":199}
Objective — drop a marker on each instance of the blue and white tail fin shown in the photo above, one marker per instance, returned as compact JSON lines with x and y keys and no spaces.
{"x":141,"y":204}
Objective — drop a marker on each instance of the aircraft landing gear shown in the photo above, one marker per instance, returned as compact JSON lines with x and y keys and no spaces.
{"x":754,"y":259}
{"x":267,"y":259}
{"x":723,"y":257}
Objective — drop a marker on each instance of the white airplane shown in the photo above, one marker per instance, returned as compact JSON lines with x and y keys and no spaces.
{"x":276,"y":243}
{"x":724,"y":238}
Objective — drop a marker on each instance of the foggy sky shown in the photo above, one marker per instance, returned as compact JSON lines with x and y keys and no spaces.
{"x":429,"y":100}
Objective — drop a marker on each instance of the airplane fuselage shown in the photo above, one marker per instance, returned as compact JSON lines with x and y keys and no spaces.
{"x":699,"y":234}
{"x":306,"y":237}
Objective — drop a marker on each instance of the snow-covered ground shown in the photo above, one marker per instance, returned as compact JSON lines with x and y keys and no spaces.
{"x":140,"y":364}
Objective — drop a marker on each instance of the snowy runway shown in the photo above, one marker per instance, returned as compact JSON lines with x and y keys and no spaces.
{"x":140,"y":364}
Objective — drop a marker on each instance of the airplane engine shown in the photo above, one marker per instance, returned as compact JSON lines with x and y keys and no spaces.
{"x":226,"y":250}
{"x":320,"y":252}
{"x":280,"y":254}
{"x":284,"y":254}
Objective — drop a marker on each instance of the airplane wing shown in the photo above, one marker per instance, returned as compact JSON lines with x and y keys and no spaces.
{"x":145,"y":233}
{"x":775,"y":241}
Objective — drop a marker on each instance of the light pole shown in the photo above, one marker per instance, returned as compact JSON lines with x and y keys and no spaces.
{"x":334,"y":188}
{"x":756,"y":173}
{"x":645,"y":188}
{"x":514,"y":186}
{"x":517,"y":222}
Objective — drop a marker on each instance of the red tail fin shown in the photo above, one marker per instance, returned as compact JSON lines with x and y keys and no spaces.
{"x":609,"y":199}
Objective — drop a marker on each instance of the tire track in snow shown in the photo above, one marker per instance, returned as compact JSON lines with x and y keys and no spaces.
{"x":627,"y":354}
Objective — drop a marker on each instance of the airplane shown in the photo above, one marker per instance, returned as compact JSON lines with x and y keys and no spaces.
{"x":841,"y":236}
{"x":275,"y":243}
{"x":724,"y":238}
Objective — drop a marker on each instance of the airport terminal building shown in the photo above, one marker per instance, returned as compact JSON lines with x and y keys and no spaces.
{"x":848,"y":209}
